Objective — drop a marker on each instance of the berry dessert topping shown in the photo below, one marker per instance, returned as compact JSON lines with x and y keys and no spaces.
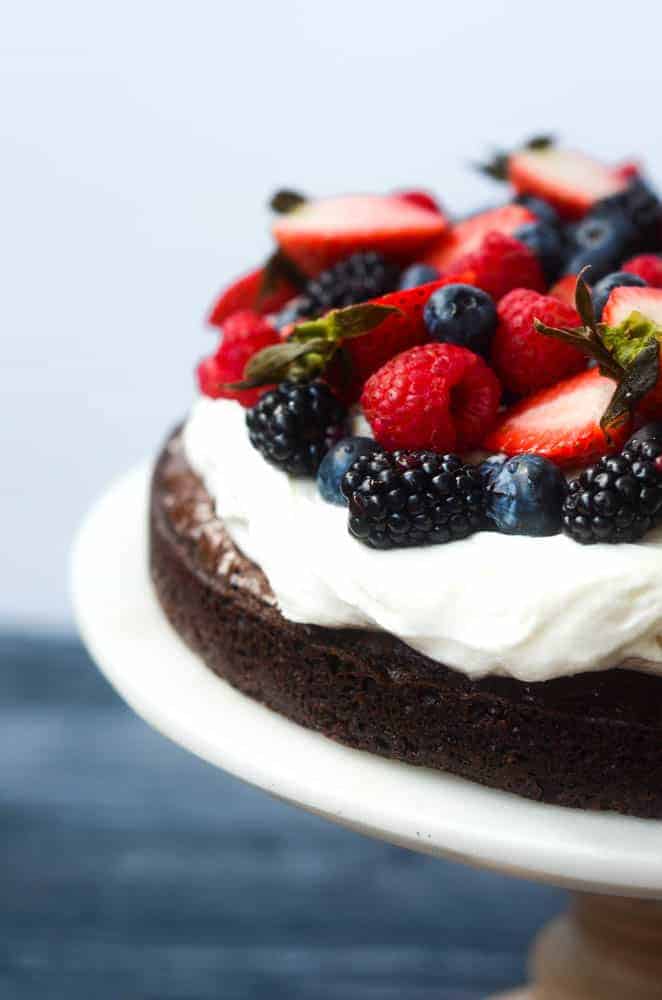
{"x":337,"y":462}
{"x":545,"y":242}
{"x":410,"y":498}
{"x":437,"y":396}
{"x":603,"y":289}
{"x":647,"y":266}
{"x":347,"y":345}
{"x":467,"y":236}
{"x":244,"y":334}
{"x":570,"y":181}
{"x":417,"y":274}
{"x":524,"y":359}
{"x":641,"y":209}
{"x":500,"y":264}
{"x":356,"y":279}
{"x":461,"y":314}
{"x":525,"y":495}
{"x":562,"y":422}
{"x":294,"y":425}
{"x":317,"y":234}
{"x":620,"y":498}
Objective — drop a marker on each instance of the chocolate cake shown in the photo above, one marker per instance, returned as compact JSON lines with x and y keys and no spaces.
{"x":417,"y":504}
{"x":593,"y":740}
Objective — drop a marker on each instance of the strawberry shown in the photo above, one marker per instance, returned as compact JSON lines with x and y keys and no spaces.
{"x":441,"y":397}
{"x":647,"y":266}
{"x":467,"y":236}
{"x":561,"y":423}
{"x":570,"y":181}
{"x":245,"y":293}
{"x":244,"y":334}
{"x":316,"y":234}
{"x":628,"y":170}
{"x":421,"y":198}
{"x":500,"y":263}
{"x":646,"y":304}
{"x":625,"y":300}
{"x":564,"y":290}
{"x":524,"y":359}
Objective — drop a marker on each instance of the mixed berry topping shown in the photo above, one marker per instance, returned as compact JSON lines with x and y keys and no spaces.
{"x":493,"y":357}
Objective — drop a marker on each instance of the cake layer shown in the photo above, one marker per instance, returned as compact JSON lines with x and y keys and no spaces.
{"x":593,"y":740}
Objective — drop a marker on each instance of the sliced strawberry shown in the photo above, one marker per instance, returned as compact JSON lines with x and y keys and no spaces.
{"x":561,"y":423}
{"x":421,"y":198}
{"x":625,"y":300}
{"x":621,"y":303}
{"x":467,"y":236}
{"x":564,"y":290}
{"x":244,"y":293}
{"x":570,"y":181}
{"x":316,"y":234}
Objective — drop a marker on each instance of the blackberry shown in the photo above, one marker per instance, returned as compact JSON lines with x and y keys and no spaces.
{"x":619,"y":498}
{"x":408,"y":498}
{"x":294,"y":425}
{"x":356,"y":279}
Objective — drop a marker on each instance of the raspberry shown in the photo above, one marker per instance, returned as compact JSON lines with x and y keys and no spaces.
{"x":500,"y":264}
{"x":244,"y":333}
{"x":524,"y":359}
{"x":647,"y":266}
{"x":440,"y":397}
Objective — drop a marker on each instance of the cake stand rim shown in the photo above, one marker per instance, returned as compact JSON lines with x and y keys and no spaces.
{"x":135,"y":647}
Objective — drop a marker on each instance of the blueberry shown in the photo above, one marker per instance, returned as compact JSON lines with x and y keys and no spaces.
{"x":542,"y":209}
{"x":461,"y":314}
{"x":641,"y":208}
{"x":649,"y":432}
{"x":525,"y":496}
{"x":605,"y":285}
{"x":417,"y":274}
{"x":544,"y":240}
{"x":601,"y":241}
{"x":337,"y":461}
{"x":490,"y":467}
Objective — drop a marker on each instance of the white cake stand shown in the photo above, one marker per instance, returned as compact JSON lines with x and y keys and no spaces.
{"x":609,"y":945}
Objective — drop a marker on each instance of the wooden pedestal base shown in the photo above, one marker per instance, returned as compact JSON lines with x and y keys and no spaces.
{"x":604,"y":948}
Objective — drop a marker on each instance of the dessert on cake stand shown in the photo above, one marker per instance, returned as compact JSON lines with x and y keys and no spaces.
{"x":609,"y":945}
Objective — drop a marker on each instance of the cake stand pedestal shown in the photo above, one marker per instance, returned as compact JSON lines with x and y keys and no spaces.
{"x":609,"y":945}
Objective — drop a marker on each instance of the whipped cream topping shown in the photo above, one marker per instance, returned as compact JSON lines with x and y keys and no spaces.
{"x":529,"y":608}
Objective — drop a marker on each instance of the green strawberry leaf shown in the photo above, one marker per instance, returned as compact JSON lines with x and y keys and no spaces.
{"x":286,"y":200}
{"x":538,"y":142}
{"x":639,"y":377}
{"x":588,"y":342}
{"x":584,"y":301}
{"x":344,"y":324}
{"x":278,"y":270}
{"x":275,"y":363}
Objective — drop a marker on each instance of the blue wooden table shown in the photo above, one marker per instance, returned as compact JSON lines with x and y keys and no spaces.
{"x":134,"y":871}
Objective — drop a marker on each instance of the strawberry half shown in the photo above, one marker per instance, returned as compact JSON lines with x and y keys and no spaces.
{"x":245,"y":293}
{"x":468,"y":235}
{"x":625,"y":300}
{"x":564,"y":290}
{"x":316,"y":234}
{"x":561,"y":423}
{"x":647,"y":303}
{"x":570,"y":181}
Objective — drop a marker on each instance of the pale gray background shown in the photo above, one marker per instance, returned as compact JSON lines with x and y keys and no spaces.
{"x":139,"y":142}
